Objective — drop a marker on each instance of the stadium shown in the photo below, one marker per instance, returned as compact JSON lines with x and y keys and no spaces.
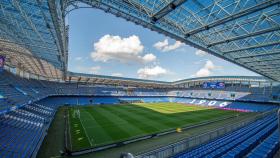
{"x":48,"y":111}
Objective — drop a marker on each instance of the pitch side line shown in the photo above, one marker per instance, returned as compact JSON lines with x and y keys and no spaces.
{"x":85,"y":132}
{"x":69,"y":126}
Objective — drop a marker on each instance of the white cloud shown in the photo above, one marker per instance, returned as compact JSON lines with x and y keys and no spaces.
{"x":203,"y":72}
{"x":149,"y":57}
{"x":200,"y":53}
{"x":206,"y":70}
{"x":166,"y":47}
{"x":117,"y":74}
{"x":161,"y":44}
{"x":209,"y":65}
{"x":121,"y":49}
{"x":150,"y":72}
{"x":78,"y":58}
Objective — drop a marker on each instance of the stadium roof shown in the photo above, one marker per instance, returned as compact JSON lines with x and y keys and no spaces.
{"x":112,"y":80}
{"x":225,"y":78}
{"x":132,"y":82}
{"x":74,"y":74}
{"x":34,"y":37}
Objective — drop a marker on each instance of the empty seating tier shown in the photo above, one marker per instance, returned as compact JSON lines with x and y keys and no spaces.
{"x":23,"y":129}
{"x":247,"y":140}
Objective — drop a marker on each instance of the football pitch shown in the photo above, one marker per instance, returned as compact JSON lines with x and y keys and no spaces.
{"x":93,"y":126}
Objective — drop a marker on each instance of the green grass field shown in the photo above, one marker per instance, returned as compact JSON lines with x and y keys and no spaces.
{"x":93,"y":126}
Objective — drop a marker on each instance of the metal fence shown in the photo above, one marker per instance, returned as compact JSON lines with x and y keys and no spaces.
{"x":188,"y":143}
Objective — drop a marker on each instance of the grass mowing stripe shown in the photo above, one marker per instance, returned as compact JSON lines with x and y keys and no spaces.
{"x":182,"y":118}
{"x":143,"y":111}
{"x":178,"y":120}
{"x":157,"y":119}
{"x":172,"y":109}
{"x":141,"y":122}
{"x":56,"y":133}
{"x":69,"y":129}
{"x":120,"y":122}
{"x":89,"y":140}
{"x":200,"y":116}
{"x":78,"y":135}
{"x":115,"y":132}
{"x":101,"y":133}
{"x":164,"y":120}
{"x":107,"y":124}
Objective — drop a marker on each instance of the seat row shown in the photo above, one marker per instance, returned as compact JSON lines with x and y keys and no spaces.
{"x":235,"y":144}
{"x":23,"y":129}
{"x":267,"y":148}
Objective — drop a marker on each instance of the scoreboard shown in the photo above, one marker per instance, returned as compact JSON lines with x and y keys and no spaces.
{"x":214,"y":85}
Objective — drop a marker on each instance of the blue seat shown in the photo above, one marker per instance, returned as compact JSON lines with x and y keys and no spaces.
{"x":235,"y":144}
{"x":22,"y":130}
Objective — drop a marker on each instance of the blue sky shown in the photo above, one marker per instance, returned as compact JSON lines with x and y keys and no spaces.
{"x":103,"y":44}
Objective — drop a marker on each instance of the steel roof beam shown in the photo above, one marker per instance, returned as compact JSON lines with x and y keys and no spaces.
{"x":252,"y":47}
{"x":11,"y":31}
{"x":27,"y":19}
{"x":232,"y":17}
{"x":245,"y":36}
{"x":270,"y":69}
{"x":119,"y":9}
{"x":266,"y":60}
{"x":28,"y":44}
{"x":27,"y":55}
{"x":259,"y":55}
{"x":167,"y":9}
{"x":59,"y":32}
{"x":87,"y":80}
{"x":267,"y":69}
{"x":265,"y":65}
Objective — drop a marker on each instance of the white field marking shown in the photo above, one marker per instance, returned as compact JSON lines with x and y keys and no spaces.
{"x":86,"y":132}
{"x":97,"y":123}
{"x":69,"y":126}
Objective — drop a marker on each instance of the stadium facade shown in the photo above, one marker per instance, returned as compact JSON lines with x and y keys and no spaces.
{"x":34,"y":80}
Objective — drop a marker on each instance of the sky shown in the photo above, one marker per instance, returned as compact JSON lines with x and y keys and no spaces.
{"x":100,"y":43}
